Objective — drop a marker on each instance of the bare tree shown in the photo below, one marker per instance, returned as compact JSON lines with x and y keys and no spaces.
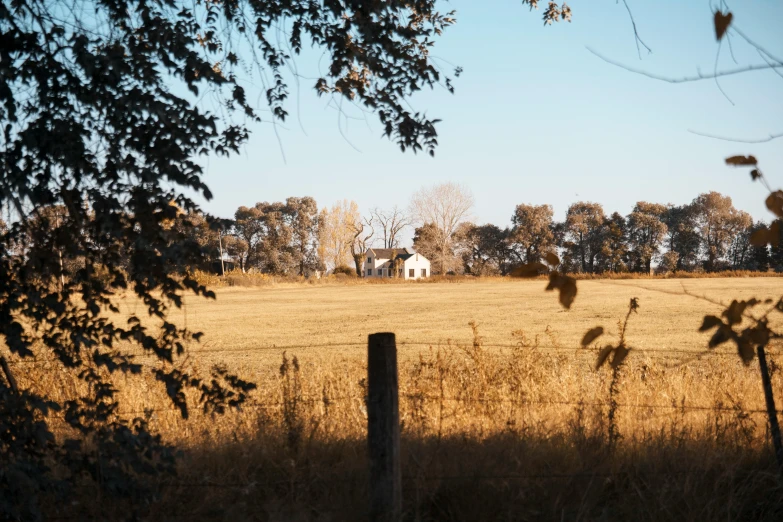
{"x":361,"y":240}
{"x":390,"y":223}
{"x":336,"y":232}
{"x":445,"y":205}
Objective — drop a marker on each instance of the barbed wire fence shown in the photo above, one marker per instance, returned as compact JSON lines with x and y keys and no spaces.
{"x":666,"y":354}
{"x":653,"y":353}
{"x":387,"y":481}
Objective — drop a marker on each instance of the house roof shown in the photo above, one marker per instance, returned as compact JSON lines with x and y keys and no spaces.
{"x":386,"y":253}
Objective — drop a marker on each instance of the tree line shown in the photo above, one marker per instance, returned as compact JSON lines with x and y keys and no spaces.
{"x":708,"y":234}
{"x":295,"y":237}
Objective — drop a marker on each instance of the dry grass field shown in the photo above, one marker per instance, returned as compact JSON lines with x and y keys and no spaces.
{"x":507,"y":421}
{"x":247,"y":321}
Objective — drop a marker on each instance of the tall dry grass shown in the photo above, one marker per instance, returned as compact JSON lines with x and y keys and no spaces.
{"x":517,"y":433}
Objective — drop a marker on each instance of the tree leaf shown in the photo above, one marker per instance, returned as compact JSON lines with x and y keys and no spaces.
{"x":552,"y":259}
{"x":566,"y":285}
{"x":775,"y":203}
{"x":755,"y":174}
{"x":760,"y":237}
{"x":722,"y":22}
{"x":721,"y":336}
{"x":710,"y":322}
{"x":758,"y":335}
{"x":620,"y":353}
{"x":734,"y":312}
{"x":745,"y":350}
{"x":774,"y":234}
{"x":568,"y":292}
{"x":602,"y":356}
{"x":592,"y":335}
{"x":741,"y":161}
{"x":529,"y":270}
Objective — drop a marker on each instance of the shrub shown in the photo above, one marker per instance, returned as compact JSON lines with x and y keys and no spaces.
{"x":344,"y":270}
{"x":238,"y":280}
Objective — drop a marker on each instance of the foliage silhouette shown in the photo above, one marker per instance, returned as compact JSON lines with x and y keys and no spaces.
{"x":100,"y":119}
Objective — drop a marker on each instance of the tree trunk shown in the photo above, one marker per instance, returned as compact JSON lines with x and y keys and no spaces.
{"x":443,"y":260}
{"x":220,"y":244}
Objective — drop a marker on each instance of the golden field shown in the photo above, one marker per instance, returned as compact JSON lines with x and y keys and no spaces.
{"x":507,"y":421}
{"x":306,"y":317}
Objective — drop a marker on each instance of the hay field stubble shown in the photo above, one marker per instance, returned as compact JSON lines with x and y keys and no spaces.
{"x":334,"y":320}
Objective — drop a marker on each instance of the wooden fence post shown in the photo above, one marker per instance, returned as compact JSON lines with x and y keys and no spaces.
{"x":772,"y":413}
{"x":383,"y":428}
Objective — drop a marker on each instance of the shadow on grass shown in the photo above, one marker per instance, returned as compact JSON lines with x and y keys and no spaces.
{"x":509,"y":476}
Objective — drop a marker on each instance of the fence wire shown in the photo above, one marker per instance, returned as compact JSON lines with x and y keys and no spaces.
{"x":464,"y":400}
{"x":653,"y":353}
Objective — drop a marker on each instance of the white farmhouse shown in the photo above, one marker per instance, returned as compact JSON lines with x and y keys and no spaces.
{"x":381,"y":262}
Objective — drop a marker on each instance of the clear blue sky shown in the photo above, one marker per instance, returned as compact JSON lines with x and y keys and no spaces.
{"x":536,"y":118}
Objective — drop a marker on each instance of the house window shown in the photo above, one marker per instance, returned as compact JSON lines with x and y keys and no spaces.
{"x":412,"y":272}
{"x":423,"y":272}
{"x":369,"y":260}
{"x":369,"y":271}
{"x":391,"y":272}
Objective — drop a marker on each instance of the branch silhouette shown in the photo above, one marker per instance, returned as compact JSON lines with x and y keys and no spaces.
{"x":766,"y":139}
{"x":637,"y":38}
{"x":685,"y":79}
{"x":757,"y":46}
